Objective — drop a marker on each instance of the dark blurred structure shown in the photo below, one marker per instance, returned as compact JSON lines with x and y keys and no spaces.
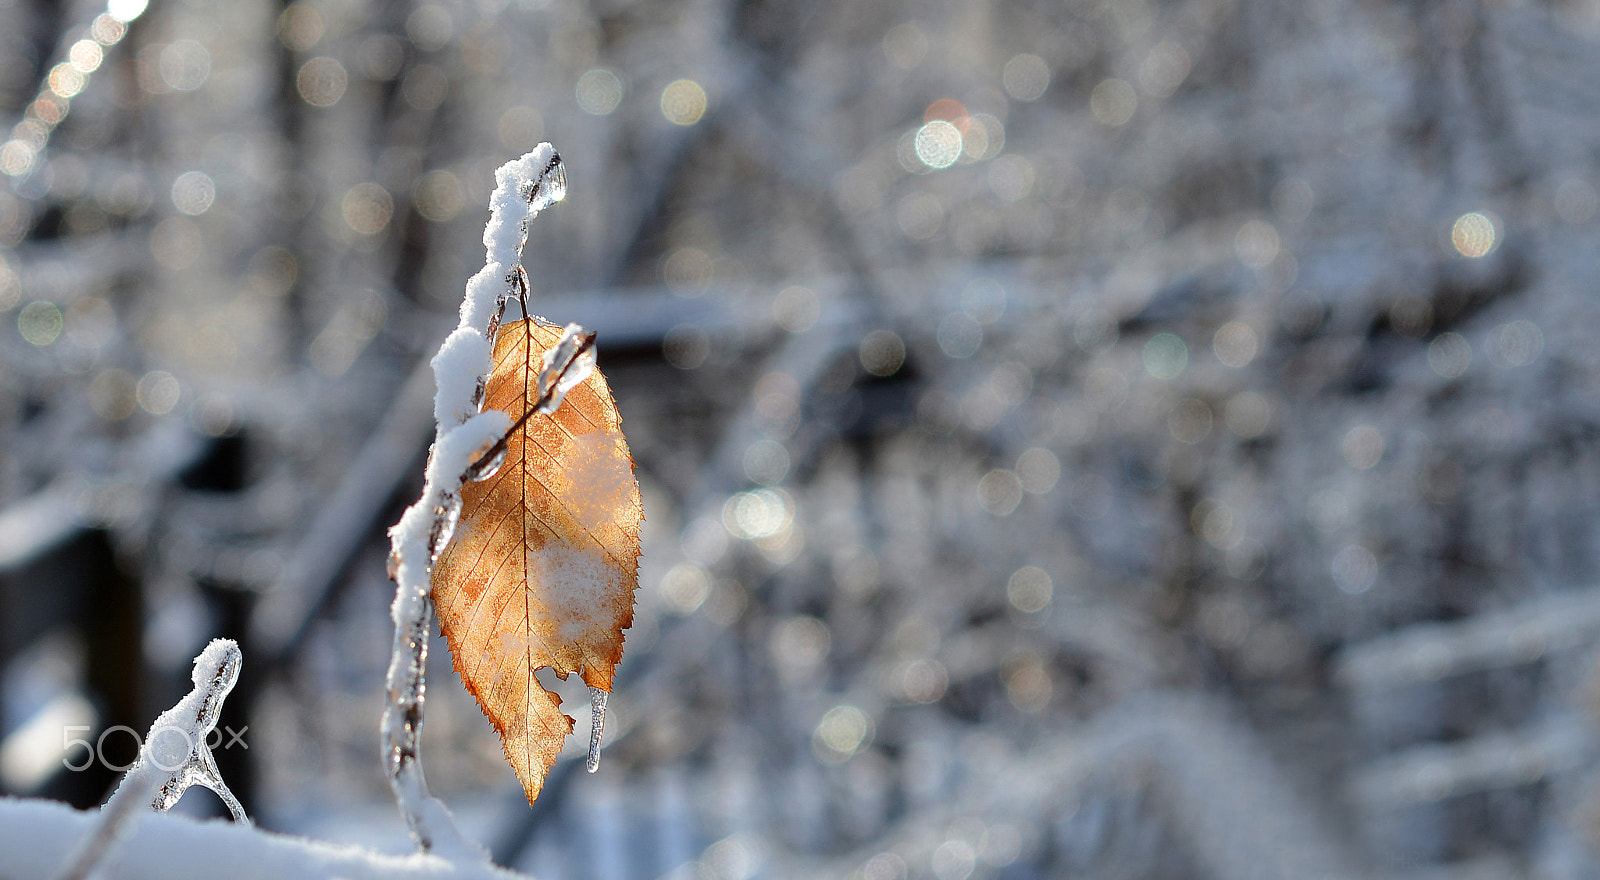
{"x":1135,"y":439}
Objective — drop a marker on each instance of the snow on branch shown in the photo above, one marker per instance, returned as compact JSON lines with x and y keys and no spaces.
{"x":468,"y":443}
{"x":173,"y":758}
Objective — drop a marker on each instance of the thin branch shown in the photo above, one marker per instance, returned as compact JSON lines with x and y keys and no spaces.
{"x":465,"y":436}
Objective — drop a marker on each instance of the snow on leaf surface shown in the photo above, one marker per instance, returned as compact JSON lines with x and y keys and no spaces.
{"x":544,"y":563}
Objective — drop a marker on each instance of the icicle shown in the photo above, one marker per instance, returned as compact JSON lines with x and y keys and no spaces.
{"x":597,"y":726}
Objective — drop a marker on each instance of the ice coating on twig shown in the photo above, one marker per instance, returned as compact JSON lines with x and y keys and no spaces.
{"x":173,"y":758}
{"x":565,"y":366}
{"x":175,"y":753}
{"x":463,"y":447}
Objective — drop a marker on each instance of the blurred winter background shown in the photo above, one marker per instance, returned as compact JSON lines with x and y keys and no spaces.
{"x":1141,"y":438}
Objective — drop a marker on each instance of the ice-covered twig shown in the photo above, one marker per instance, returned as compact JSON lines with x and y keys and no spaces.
{"x":465,"y":446}
{"x":565,"y":365}
{"x":173,"y":758}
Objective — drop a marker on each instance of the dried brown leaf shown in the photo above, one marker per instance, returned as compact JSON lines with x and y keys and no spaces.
{"x":543,"y":566}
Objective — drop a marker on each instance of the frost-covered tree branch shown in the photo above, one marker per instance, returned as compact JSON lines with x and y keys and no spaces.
{"x":468,"y":445}
{"x":173,"y":758}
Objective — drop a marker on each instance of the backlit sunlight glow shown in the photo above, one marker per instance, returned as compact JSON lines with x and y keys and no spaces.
{"x":20,"y":155}
{"x":949,"y":134}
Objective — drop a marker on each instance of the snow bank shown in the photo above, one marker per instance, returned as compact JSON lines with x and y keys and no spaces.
{"x":38,"y":836}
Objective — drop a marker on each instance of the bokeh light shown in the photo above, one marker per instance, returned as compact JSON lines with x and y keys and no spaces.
{"x":683,"y":102}
{"x":1030,"y":589}
{"x":430,"y":27}
{"x":158,"y":392}
{"x":1362,"y":447}
{"x":1113,"y":102}
{"x":125,"y":10}
{"x":66,"y":80}
{"x":1256,"y":243}
{"x":16,"y":158}
{"x":85,"y":56}
{"x":1011,"y":178}
{"x":1354,"y":569}
{"x":685,"y":587}
{"x":938,"y":144}
{"x":882,"y":352}
{"x":688,"y":271}
{"x":1248,"y":414}
{"x":1474,"y":234}
{"x":185,"y":65}
{"x":766,"y":462}
{"x":599,"y":92}
{"x":10,"y":286}
{"x":193,"y":192}
{"x":379,"y":57}
{"x":107,"y":30}
{"x":1164,"y":69}
{"x":1038,"y":470}
{"x":40,"y":323}
{"x":796,"y":309}
{"x":1190,"y":420}
{"x":438,"y":196}
{"x":301,"y":26}
{"x":1449,"y":354}
{"x":842,"y":732}
{"x":1026,"y":77}
{"x":1000,"y":492}
{"x":322,"y":81}
{"x":425,"y":86}
{"x":1516,"y":344}
{"x":762,"y":513}
{"x":1166,"y":356}
{"x":959,"y":336}
{"x":1234,"y":344}
{"x":366,"y":208}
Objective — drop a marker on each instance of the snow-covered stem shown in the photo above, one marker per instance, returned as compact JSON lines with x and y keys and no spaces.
{"x":173,"y":758}
{"x":467,"y":443}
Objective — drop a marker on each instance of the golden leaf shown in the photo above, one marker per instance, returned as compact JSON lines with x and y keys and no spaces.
{"x":544,"y":562}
